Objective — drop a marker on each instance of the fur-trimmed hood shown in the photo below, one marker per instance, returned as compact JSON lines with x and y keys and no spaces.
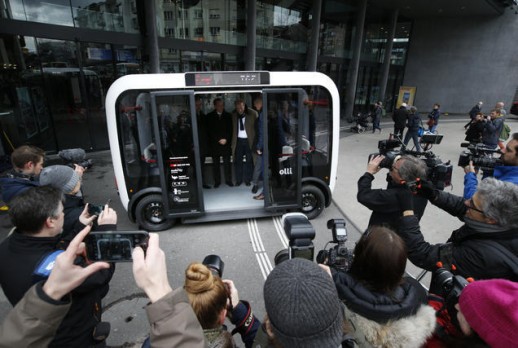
{"x":411,"y":331}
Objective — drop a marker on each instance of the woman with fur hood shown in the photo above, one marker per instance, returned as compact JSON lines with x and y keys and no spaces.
{"x":384,"y":309}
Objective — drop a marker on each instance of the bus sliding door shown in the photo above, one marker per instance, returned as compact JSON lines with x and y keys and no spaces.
{"x":174,"y":123}
{"x":282,"y":109}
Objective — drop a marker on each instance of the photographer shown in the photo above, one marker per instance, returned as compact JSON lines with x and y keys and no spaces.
{"x":484,"y":247}
{"x":507,"y":172}
{"x":213,"y":299}
{"x":384,"y":203}
{"x":384,"y":308}
{"x":487,"y":310}
{"x":34,"y":320}
{"x":27,"y":256}
{"x":493,"y":125}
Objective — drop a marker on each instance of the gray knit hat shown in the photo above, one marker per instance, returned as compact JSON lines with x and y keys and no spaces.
{"x":303,"y":306}
{"x":61,"y":177}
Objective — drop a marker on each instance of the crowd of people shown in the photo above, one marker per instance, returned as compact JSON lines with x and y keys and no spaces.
{"x":57,"y":293}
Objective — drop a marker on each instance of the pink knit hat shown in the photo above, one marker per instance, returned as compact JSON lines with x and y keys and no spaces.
{"x":491,"y":309}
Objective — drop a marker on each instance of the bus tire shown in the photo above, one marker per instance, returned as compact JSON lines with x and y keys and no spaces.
{"x":313,"y":201}
{"x":150,"y":216}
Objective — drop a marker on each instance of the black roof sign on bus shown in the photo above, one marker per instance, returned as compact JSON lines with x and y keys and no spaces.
{"x":227,"y":78}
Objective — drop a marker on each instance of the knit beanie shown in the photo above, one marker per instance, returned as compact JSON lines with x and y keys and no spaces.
{"x":61,"y":177}
{"x":491,"y":309}
{"x":303,"y":306}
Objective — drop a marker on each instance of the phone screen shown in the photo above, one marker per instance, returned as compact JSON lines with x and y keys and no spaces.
{"x":114,"y":246}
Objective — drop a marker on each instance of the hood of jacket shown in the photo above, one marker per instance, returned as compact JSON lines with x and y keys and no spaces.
{"x":506,"y":173}
{"x":13,"y":184}
{"x":411,"y":331}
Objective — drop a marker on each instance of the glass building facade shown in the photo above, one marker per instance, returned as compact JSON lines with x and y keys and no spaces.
{"x":58,"y":58}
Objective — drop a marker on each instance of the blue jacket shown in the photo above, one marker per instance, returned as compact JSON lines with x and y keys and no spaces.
{"x":491,"y":132}
{"x":13,"y":184}
{"x":504,"y":173}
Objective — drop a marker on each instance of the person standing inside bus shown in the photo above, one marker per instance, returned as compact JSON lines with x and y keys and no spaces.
{"x":201,"y":121}
{"x":243,"y":135}
{"x":219,"y":132}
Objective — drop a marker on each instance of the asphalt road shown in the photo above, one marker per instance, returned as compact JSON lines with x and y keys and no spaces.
{"x":248,"y":246}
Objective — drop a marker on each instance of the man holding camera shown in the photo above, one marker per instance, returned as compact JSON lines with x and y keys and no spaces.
{"x":404,"y":171}
{"x":506,"y":172}
{"x":485,"y":247}
{"x":29,"y":253}
{"x":492,"y":128}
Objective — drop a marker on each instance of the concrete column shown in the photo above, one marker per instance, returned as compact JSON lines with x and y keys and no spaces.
{"x":355,"y":61}
{"x":251,"y":35}
{"x":315,"y":35}
{"x":152,"y":37}
{"x":388,"y":53}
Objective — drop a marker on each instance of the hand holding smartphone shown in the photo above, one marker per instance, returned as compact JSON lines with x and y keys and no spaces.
{"x":114,"y":246}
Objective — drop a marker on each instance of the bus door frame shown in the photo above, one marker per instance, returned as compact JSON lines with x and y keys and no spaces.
{"x":197,"y":164}
{"x":268,"y":204}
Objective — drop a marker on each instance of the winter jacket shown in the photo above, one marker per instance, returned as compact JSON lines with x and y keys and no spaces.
{"x":33,"y":322}
{"x":249,"y":124}
{"x":399,"y":319}
{"x":434,"y":115}
{"x":400,"y":116}
{"x":173,"y":322}
{"x":384,"y":203}
{"x":474,"y":132}
{"x":20,"y":254}
{"x":219,"y":127}
{"x":413,"y":122}
{"x":491,"y":132}
{"x":474,"y":111}
{"x":13,"y":184}
{"x":474,"y":248}
{"x":504,"y":173}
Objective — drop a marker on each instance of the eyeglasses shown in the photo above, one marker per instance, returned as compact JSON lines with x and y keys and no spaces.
{"x":471,"y":205}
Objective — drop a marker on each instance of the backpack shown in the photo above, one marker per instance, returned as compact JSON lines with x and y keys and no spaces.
{"x":506,"y":131}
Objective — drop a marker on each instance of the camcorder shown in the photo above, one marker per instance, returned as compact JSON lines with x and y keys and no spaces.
{"x":481,"y":156}
{"x":450,"y":287}
{"x":75,"y":156}
{"x":438,"y":172}
{"x":337,"y":256}
{"x":301,"y":233}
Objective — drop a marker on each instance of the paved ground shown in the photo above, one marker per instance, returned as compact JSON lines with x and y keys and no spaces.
{"x":188,"y":242}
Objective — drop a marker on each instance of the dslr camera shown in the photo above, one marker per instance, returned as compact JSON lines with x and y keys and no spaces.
{"x":337,"y":256}
{"x":300,"y":234}
{"x":450,"y":287}
{"x":481,"y":156}
{"x":215,"y":264}
{"x":438,"y":172}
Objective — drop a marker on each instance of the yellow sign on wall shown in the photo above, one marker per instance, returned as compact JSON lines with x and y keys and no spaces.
{"x":406,"y":95}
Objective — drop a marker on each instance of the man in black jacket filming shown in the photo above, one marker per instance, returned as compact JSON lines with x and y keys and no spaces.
{"x":485,"y":247}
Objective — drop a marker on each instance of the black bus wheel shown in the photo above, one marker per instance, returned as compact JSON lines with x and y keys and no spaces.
{"x":150,"y":215}
{"x":313,"y":201}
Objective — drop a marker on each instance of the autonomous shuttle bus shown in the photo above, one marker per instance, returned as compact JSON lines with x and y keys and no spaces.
{"x":162,"y":157}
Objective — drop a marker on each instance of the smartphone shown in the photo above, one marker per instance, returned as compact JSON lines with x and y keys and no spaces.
{"x":114,"y":246}
{"x":94,"y":209}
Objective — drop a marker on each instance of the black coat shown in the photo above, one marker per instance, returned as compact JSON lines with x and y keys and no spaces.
{"x":19,"y":256}
{"x":384,"y":203}
{"x":219,"y":127}
{"x":474,"y":132}
{"x":467,"y":248}
{"x":400,"y":116}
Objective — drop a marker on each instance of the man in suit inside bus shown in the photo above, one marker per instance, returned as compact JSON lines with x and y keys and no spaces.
{"x":219,"y":133}
{"x":243,"y":135}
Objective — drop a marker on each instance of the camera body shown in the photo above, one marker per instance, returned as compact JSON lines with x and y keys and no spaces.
{"x":438,"y":172}
{"x":481,"y":156}
{"x":300,"y":234}
{"x":338,"y":256}
{"x":450,"y":287}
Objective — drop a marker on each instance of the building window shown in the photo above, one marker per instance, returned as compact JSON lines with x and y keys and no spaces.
{"x":182,"y":14}
{"x":198,"y":14}
{"x":214,"y":13}
{"x":198,"y":31}
{"x":168,"y":15}
{"x":214,"y":31}
{"x":184,"y":32}
{"x":169,"y":32}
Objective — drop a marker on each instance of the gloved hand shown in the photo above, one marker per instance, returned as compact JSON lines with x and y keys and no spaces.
{"x":427,"y":190}
{"x":405,"y":199}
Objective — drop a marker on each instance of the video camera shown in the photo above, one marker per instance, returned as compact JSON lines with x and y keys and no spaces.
{"x":438,"y":172}
{"x":481,"y":156}
{"x":75,"y":156}
{"x":338,"y":256}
